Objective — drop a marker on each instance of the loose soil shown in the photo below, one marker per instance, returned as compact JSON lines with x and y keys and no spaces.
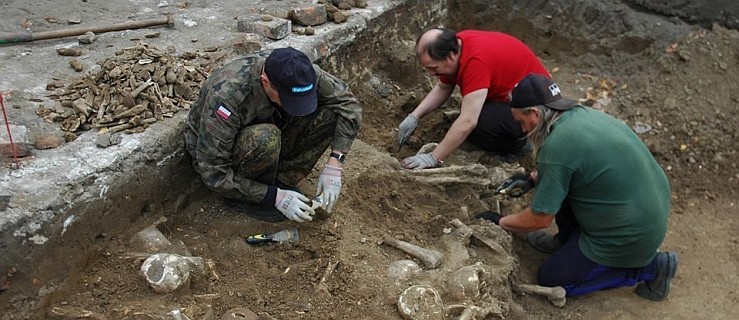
{"x":684,"y":97}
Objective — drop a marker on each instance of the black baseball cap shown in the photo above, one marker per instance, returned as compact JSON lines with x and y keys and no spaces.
{"x":535,"y":90}
{"x":292,"y":74}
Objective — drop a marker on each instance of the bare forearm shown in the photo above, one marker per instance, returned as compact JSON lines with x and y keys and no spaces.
{"x":526,"y":221}
{"x":453,"y":139}
{"x":435,"y":98}
{"x":462,"y":127}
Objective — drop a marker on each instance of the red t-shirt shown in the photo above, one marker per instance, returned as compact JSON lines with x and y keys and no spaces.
{"x":495,"y":61}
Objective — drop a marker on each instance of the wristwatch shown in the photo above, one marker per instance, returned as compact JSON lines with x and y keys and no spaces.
{"x":338,"y":156}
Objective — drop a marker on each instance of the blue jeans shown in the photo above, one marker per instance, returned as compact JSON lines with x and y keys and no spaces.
{"x":569,"y":268}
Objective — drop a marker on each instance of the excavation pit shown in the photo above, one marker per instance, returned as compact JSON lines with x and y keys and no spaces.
{"x":66,"y":238}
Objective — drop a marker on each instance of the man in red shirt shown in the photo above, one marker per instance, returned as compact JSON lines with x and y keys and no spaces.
{"x":486,"y":65}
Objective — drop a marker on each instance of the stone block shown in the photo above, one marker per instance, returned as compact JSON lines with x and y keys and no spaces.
{"x":312,"y":15}
{"x":4,"y":199}
{"x":20,"y":141}
{"x":275,"y":29}
{"x":247,"y":43}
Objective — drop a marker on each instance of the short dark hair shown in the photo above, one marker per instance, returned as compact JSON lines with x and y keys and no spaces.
{"x":444,"y":45}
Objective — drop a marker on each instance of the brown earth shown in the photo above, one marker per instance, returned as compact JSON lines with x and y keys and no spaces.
{"x":686,"y":93}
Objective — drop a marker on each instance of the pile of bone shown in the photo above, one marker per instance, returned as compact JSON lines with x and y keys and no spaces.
{"x":471,"y":278}
{"x":140,"y":85}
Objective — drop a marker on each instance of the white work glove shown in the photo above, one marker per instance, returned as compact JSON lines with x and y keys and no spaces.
{"x":421,"y":161}
{"x":406,"y":128}
{"x":294,"y":205}
{"x":329,"y":187}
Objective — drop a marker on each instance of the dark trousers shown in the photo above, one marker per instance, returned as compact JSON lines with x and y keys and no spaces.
{"x":578,"y":275}
{"x":497,"y":130}
{"x":268,"y":154}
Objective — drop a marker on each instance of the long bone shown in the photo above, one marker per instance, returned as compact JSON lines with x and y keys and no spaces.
{"x":430,"y":258}
{"x":555,"y":295}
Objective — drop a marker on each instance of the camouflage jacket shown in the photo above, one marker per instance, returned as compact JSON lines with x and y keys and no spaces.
{"x":235,"y":89}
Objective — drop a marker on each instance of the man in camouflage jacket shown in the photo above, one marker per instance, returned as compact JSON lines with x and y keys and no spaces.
{"x":259,"y":126}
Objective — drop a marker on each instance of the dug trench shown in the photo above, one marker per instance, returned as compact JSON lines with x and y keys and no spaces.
{"x":339,"y":267}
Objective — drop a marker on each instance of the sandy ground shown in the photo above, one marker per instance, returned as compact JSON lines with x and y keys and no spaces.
{"x":685,"y":93}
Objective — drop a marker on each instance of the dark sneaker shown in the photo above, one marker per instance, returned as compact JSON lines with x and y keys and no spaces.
{"x":256,"y":211}
{"x":659,"y":288}
{"x":543,"y":241}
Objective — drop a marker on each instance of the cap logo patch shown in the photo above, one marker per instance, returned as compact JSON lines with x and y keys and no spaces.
{"x":554,"y":89}
{"x":302,"y":89}
{"x":223,"y":112}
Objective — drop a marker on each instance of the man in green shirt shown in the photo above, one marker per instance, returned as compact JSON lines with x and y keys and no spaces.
{"x":259,"y":126}
{"x":608,"y":195}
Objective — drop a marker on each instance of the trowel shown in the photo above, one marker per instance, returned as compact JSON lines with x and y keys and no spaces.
{"x":289,"y":235}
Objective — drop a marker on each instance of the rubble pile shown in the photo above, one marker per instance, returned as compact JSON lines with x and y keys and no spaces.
{"x":140,"y":85}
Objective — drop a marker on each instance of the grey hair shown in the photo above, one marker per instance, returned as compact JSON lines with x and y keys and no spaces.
{"x":543,"y":128}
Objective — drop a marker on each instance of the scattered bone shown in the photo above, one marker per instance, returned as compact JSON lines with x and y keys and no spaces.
{"x":211,"y":265}
{"x":178,"y":315}
{"x":421,"y":302}
{"x":403,"y":270}
{"x":207,"y":296}
{"x":70,"y":312}
{"x":474,"y":313}
{"x":485,"y":240}
{"x":136,"y":110}
{"x":135,"y":93}
{"x":430,"y":258}
{"x":125,"y":126}
{"x":240,"y":313}
{"x":321,"y":286}
{"x":555,"y":295}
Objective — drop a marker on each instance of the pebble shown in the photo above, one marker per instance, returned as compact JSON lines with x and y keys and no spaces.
{"x":87,"y":38}
{"x":69,"y":52}
{"x":48,"y":142}
{"x":76,"y":65}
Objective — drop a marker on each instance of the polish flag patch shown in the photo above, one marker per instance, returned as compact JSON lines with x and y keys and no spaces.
{"x":223,"y":112}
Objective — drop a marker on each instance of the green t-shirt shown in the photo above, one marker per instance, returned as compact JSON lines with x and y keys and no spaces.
{"x":619,"y":194}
